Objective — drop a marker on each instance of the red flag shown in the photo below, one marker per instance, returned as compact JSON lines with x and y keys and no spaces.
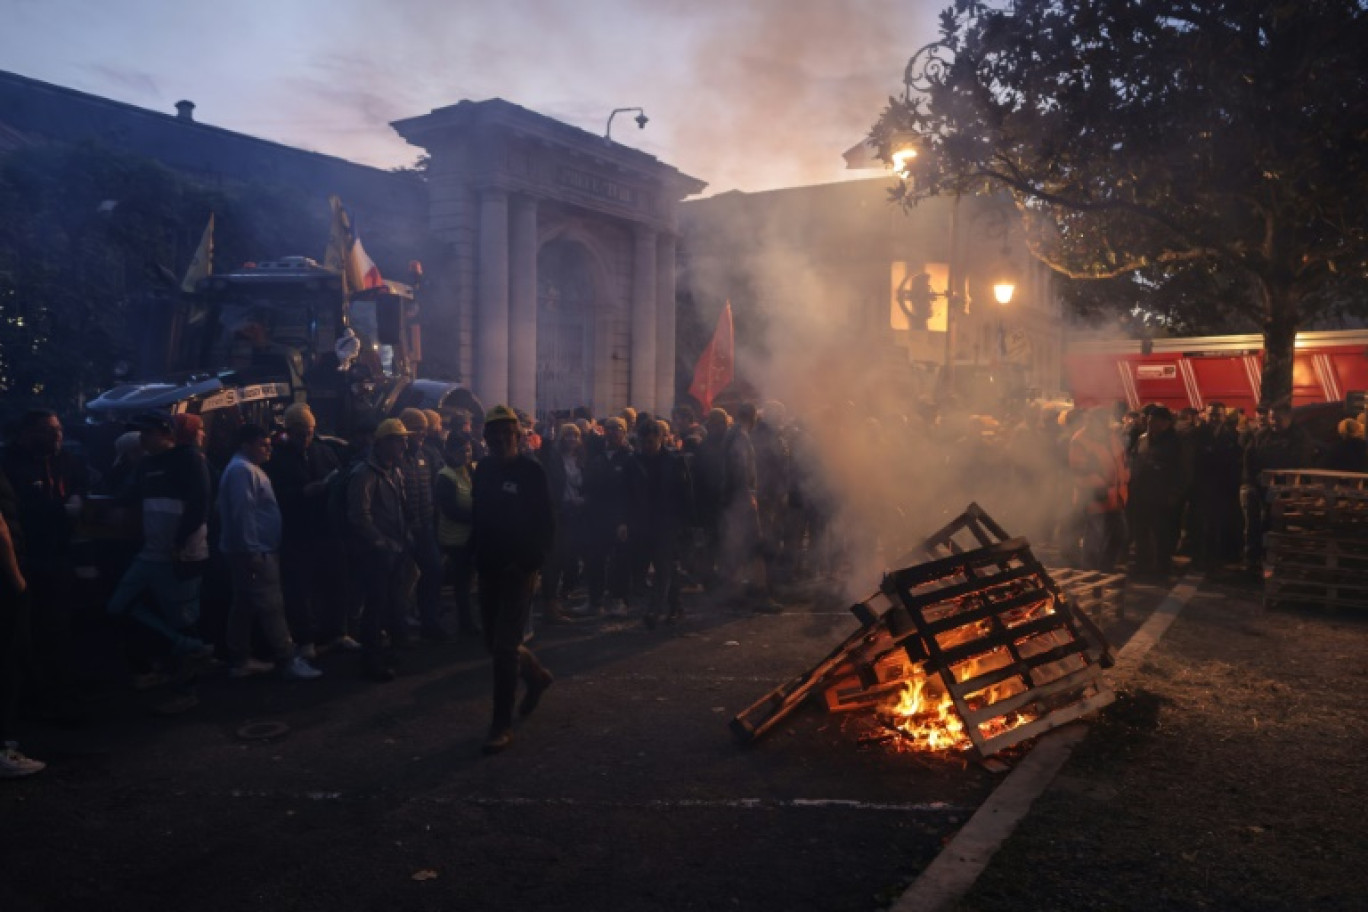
{"x":713,"y":372}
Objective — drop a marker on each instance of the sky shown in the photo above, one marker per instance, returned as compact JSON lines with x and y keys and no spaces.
{"x":743,"y":94}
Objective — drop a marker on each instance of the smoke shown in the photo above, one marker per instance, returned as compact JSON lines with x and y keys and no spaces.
{"x":895,"y":462}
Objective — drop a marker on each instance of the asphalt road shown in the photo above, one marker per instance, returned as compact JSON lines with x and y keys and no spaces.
{"x":624,"y":791}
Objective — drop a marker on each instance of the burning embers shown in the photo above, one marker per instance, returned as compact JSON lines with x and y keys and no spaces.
{"x":973,"y":649}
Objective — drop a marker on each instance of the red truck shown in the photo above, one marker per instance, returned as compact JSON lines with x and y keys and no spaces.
{"x":1328,"y":367}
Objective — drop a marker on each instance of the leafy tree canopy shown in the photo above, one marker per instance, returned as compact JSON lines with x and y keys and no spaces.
{"x":1215,"y":148}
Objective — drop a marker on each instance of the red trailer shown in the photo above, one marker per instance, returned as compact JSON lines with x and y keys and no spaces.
{"x":1200,"y":370}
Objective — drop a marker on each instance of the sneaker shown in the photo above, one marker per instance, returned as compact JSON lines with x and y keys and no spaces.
{"x":308,"y":652}
{"x":250,"y":667}
{"x":498,"y":741}
{"x":535,"y":689}
{"x":297,"y":669}
{"x":14,"y":765}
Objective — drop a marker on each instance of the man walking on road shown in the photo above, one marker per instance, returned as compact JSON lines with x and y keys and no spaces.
{"x":512,"y":530}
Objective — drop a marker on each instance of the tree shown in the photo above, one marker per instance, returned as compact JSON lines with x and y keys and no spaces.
{"x":1216,"y":143}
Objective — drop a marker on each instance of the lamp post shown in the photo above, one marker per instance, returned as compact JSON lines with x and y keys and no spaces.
{"x":641,"y":121}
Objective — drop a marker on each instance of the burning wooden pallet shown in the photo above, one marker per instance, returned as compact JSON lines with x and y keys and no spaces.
{"x":1317,"y":551}
{"x":983,"y":630}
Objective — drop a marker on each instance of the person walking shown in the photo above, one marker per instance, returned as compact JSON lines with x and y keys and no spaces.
{"x":250,"y":541}
{"x":172,"y":485}
{"x":513,"y":528}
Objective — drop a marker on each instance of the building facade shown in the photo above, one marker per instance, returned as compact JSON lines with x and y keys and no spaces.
{"x":559,"y":273}
{"x":848,"y":253}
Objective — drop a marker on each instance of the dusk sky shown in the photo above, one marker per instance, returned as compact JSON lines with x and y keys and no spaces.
{"x":744,"y":94}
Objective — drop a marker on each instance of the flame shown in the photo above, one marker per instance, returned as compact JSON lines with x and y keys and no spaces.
{"x":924,"y":726}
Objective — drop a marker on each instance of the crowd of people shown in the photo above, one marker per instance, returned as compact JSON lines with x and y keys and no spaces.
{"x":351,"y":547}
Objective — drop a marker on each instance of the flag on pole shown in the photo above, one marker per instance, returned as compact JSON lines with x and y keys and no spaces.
{"x":345,"y":253}
{"x":338,"y":256}
{"x":203,"y":263}
{"x":713,"y":373}
{"x":364,"y":267}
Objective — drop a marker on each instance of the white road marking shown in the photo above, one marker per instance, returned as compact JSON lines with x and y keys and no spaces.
{"x":959,"y":864}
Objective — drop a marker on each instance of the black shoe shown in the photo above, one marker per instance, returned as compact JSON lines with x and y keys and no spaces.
{"x":535,"y":689}
{"x":768,"y":606}
{"x":377,"y":674}
{"x":649,"y":619}
{"x":498,"y":741}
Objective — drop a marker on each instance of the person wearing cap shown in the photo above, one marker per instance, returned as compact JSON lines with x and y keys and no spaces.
{"x":1160,"y":474}
{"x":419,"y":470}
{"x":512,"y":530}
{"x":453,"y":527}
{"x":379,"y":531}
{"x":311,"y":578}
{"x":250,"y":540}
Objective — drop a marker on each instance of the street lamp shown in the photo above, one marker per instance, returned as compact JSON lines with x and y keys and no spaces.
{"x":641,"y":121}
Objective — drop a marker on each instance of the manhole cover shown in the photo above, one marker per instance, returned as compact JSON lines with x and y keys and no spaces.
{"x":262,"y":731}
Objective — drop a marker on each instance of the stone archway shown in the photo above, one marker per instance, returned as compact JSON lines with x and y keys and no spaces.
{"x":567,"y":294}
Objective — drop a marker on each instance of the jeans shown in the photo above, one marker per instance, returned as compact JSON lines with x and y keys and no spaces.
{"x":177,"y":601}
{"x":257,"y":597}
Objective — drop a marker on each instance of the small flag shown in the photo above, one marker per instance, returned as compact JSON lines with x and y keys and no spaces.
{"x":203,"y":263}
{"x":367,"y":273}
{"x":713,"y":373}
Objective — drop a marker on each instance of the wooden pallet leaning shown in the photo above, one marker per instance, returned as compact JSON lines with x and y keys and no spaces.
{"x":1092,"y":592}
{"x":1010,"y":628}
{"x":884,"y":627}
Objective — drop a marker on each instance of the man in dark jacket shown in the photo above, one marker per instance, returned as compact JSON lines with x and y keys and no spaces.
{"x":311,"y":577}
{"x":1159,"y":475}
{"x":420,"y":478}
{"x":612,"y":482}
{"x":513,"y":528}
{"x":379,"y":531}
{"x":665,"y":511}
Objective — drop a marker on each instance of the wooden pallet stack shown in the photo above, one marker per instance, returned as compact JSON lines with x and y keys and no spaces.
{"x":981,"y":615}
{"x":1316,"y":551}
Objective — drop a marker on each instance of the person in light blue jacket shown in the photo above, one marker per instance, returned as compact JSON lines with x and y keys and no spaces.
{"x":250,"y":542}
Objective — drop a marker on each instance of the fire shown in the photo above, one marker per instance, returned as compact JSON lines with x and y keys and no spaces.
{"x":925,"y":726}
